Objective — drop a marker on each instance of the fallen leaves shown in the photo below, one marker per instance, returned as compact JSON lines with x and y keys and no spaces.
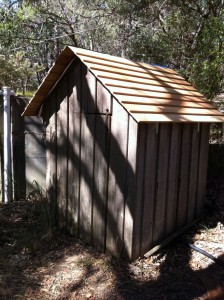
{"x":36,"y":263}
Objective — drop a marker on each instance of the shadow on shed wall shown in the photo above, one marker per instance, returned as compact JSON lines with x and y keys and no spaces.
{"x":77,"y":148}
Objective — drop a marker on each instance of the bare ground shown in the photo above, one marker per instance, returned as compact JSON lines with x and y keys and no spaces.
{"x":36,"y":264}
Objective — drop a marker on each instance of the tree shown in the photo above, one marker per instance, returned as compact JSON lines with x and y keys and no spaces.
{"x":17,"y":72}
{"x":21,"y":33}
{"x":185,"y":35}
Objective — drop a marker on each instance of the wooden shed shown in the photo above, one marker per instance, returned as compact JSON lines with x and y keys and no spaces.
{"x":127,"y":148}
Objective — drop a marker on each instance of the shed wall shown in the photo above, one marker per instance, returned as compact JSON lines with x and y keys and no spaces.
{"x":119,"y":185}
{"x":91,"y":161}
{"x":171,"y":180}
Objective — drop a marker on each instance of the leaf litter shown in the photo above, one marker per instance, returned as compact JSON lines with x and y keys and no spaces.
{"x":39,"y":263}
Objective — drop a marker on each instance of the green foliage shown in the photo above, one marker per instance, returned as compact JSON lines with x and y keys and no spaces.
{"x":185,"y":35}
{"x":17,"y":72}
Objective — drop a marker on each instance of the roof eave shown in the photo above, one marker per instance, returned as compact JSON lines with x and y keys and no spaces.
{"x":50,"y":81}
{"x":61,"y":65}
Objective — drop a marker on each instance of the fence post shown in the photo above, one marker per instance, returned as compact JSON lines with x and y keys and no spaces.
{"x":7,"y":145}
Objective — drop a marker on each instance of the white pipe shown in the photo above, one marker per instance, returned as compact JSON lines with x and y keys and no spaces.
{"x":7,"y":145}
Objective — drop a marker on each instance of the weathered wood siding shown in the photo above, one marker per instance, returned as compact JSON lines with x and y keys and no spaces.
{"x":49,"y":117}
{"x":119,"y":185}
{"x":171,"y":178}
{"x":121,"y":182}
{"x":91,"y":162}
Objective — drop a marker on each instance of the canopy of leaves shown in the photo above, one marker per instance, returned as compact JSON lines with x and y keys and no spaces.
{"x":185,"y":35}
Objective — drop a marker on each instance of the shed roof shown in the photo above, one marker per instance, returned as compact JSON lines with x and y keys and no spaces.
{"x":149,"y":93}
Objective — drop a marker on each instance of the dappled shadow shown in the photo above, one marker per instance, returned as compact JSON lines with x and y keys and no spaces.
{"x":35,"y":261}
{"x":174,"y":92}
{"x":118,"y":166}
{"x":75,"y":143}
{"x":68,"y":213}
{"x":180,"y":277}
{"x":173,"y":273}
{"x":21,"y":228}
{"x":35,"y":264}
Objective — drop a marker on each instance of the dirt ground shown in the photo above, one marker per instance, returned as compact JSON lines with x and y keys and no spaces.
{"x":36,"y":264}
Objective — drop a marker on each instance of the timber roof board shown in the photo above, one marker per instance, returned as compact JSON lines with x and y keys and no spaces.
{"x":149,"y":93}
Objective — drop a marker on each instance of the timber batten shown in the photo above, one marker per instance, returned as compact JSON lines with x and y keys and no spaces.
{"x":127,"y":148}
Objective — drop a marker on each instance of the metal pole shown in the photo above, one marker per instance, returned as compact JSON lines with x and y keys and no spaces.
{"x":12,"y":152}
{"x":7,"y":145}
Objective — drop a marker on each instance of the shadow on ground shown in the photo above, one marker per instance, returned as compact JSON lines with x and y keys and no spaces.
{"x":36,"y":263}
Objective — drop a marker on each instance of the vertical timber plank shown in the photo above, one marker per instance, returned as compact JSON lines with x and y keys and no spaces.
{"x":62,"y":119}
{"x":173,"y":178}
{"x":74,"y":148}
{"x":162,"y":173}
{"x":184,"y":177}
{"x":51,"y":159}
{"x":88,"y":91}
{"x":140,"y":177}
{"x":130,"y":187}
{"x":103,"y":99}
{"x":86,"y":176}
{"x":102,"y":131}
{"x":74,"y":87}
{"x":192,"y":198}
{"x":48,"y":164}
{"x":73,"y":172}
{"x":116,"y":185}
{"x":202,"y":168}
{"x":149,"y":187}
